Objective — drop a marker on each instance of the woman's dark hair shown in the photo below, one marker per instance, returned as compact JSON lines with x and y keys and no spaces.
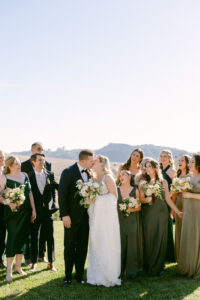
{"x":132,"y":182}
{"x":187,"y":160}
{"x":197,"y":161}
{"x":127,"y":164}
{"x":155,"y":164}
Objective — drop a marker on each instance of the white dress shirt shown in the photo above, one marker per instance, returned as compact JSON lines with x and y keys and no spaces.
{"x":84,"y":175}
{"x":41,"y":180}
{"x":1,"y":171}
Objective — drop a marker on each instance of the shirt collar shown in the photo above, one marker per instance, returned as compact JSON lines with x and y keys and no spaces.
{"x":80,"y":168}
{"x":37,"y":173}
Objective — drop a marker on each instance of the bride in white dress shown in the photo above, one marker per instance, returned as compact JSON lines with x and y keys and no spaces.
{"x":104,"y":259}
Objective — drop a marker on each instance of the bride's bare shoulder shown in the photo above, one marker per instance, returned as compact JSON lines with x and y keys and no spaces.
{"x":109,"y":179}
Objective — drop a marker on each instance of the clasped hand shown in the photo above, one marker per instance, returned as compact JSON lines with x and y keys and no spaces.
{"x":66,"y":221}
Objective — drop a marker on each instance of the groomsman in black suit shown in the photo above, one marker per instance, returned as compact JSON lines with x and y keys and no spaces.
{"x":27,"y":167}
{"x":43,"y":187}
{"x":75,"y":217}
{"x":2,"y":225}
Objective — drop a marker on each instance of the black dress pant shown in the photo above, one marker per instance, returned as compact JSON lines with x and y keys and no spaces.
{"x":42,"y":245}
{"x":42,"y":242}
{"x":47,"y":223}
{"x":2,"y":234}
{"x":75,"y":248}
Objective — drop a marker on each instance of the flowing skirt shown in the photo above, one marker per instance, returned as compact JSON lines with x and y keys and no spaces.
{"x":104,"y":259}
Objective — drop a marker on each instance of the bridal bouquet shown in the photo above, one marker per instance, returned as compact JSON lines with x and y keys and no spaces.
{"x":128,"y":204}
{"x":153,"y":190}
{"x":180,"y":185}
{"x":15,"y":195}
{"x":88,"y":191}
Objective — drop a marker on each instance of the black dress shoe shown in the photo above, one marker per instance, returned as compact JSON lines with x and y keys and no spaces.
{"x":2,"y":265}
{"x":80,"y":281}
{"x":67,"y":281}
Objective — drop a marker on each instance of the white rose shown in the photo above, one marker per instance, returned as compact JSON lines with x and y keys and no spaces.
{"x":96,"y":185}
{"x":22,"y":197}
{"x":148,"y":192}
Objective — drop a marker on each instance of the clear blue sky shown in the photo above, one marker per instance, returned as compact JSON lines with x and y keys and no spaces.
{"x":86,"y":73}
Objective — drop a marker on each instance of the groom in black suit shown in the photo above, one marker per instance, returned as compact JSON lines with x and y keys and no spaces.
{"x":75,"y":217}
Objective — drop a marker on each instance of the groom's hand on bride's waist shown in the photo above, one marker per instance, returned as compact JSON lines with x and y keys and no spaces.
{"x":66,"y":221}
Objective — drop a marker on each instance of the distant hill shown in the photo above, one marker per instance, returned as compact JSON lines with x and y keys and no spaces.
{"x":115,"y":152}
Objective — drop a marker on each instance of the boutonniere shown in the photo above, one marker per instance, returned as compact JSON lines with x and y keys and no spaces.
{"x":48,"y":181}
{"x":90,"y":173}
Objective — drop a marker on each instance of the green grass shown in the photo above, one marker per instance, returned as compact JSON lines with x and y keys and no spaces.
{"x":49,"y":285}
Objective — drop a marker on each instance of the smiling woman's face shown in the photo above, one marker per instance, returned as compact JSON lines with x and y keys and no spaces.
{"x":124,"y":177}
{"x":135,"y":157}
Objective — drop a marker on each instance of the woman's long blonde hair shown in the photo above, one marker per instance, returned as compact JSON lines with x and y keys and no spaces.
{"x":8,"y":163}
{"x":170,"y":156}
{"x":104,"y":159}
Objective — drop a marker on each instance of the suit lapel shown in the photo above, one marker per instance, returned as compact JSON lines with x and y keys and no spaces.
{"x":35,"y":182}
{"x":77,"y":172}
{"x":47,"y":178}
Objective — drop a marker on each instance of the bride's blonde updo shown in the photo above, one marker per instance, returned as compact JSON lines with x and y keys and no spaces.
{"x":106,"y":164}
{"x":8,"y":163}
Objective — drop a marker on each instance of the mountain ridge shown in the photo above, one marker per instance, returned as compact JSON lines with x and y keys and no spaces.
{"x":116,"y":152}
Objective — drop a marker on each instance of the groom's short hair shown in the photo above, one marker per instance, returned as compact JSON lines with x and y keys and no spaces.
{"x":85,"y":153}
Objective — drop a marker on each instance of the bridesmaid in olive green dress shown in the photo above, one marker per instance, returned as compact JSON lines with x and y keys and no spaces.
{"x":169,"y":173}
{"x":189,"y":255}
{"x":16,"y":220}
{"x":129,"y":228}
{"x":182,"y":172}
{"x":155,"y":220}
{"x":132,"y":164}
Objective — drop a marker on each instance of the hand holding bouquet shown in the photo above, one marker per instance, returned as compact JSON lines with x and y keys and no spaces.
{"x":14,"y":197}
{"x":128,"y":205}
{"x":153,"y":190}
{"x":181,"y":185}
{"x":88,"y":191}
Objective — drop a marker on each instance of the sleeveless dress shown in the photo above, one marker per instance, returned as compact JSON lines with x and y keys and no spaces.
{"x":189,"y":254}
{"x":170,"y":255}
{"x":155,"y":230}
{"x":17,"y":223}
{"x":104,"y":258}
{"x":178,"y":222}
{"x":130,"y":240}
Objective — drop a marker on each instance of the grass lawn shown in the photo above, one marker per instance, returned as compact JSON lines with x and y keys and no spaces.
{"x":49,"y":285}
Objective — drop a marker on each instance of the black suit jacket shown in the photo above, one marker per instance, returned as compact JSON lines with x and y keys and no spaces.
{"x":27,"y":166}
{"x":44,"y":202}
{"x":69,"y":202}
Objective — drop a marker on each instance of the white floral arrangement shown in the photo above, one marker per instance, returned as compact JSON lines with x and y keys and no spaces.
{"x":128,"y":204}
{"x":180,"y":185}
{"x":15,"y":196}
{"x":88,"y":191}
{"x":153,"y":190}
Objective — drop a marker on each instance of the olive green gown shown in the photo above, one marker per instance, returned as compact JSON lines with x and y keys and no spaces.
{"x":189,"y":254}
{"x":17,"y":223}
{"x":155,"y":233}
{"x":130,"y":227}
{"x":178,"y":222}
{"x":170,"y":254}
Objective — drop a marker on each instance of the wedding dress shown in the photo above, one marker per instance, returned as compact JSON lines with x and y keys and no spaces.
{"x":104,"y":259}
